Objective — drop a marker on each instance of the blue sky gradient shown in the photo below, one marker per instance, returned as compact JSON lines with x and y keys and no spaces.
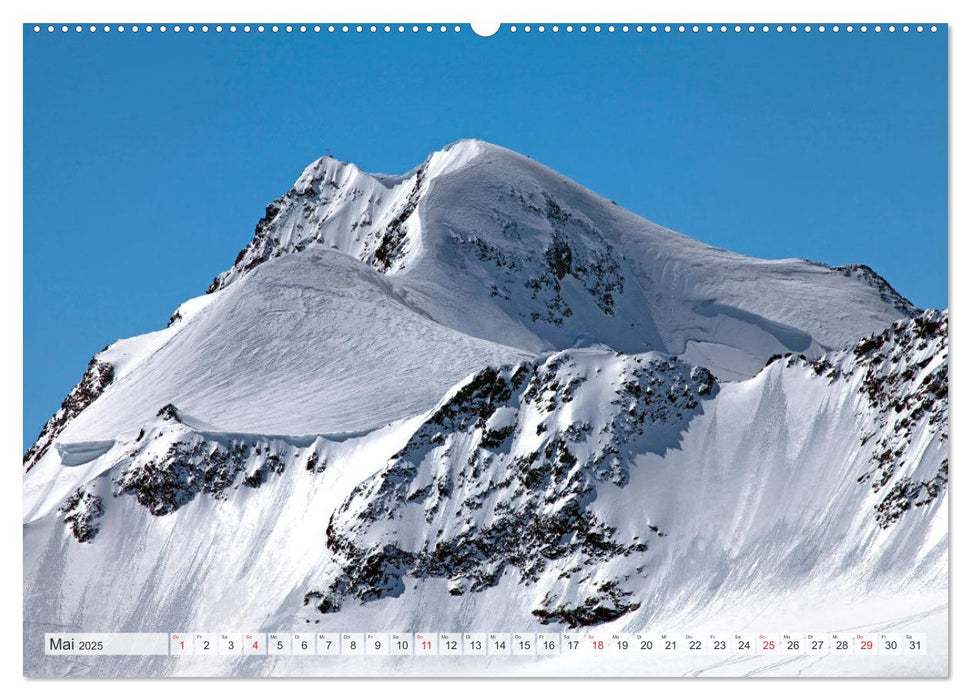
{"x":148,"y":158}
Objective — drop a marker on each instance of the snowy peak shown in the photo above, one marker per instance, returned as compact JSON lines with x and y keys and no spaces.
{"x":478,"y":255}
{"x":496,"y":246}
{"x":479,"y":396}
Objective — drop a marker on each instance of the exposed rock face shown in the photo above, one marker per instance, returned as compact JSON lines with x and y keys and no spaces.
{"x":574,"y":248}
{"x":95,"y":380}
{"x":172,"y":464}
{"x":386,"y":249}
{"x":264,"y":245}
{"x":330,"y":196}
{"x":905,"y":381}
{"x":82,"y":511}
{"x":903,"y":377}
{"x":501,"y":478}
{"x":888,"y":294}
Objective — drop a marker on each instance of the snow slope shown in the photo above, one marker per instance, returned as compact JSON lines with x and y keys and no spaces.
{"x":313,"y":343}
{"x":479,"y":396}
{"x":654,"y":497}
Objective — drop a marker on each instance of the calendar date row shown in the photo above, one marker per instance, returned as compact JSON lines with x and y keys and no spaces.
{"x":523,"y":644}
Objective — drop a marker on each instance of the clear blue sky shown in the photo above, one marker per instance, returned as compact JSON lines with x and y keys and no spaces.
{"x":149,"y":158}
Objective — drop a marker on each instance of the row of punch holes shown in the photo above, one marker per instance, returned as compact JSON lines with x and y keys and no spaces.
{"x":512,"y":28}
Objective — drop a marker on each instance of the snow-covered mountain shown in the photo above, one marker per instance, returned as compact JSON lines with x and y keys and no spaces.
{"x":480,"y":396}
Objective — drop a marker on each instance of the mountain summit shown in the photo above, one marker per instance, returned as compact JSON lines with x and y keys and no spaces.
{"x":478,"y":255}
{"x":490,"y":243}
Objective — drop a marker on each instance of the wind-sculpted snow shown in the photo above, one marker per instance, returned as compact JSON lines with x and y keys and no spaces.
{"x":502,"y":478}
{"x":318,"y":343}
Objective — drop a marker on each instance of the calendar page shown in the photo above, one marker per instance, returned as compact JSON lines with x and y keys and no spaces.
{"x":522,"y":349}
